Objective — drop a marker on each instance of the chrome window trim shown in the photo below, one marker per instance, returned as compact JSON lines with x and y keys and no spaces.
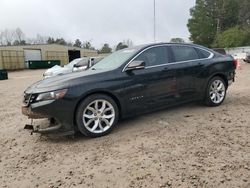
{"x":173,"y":63}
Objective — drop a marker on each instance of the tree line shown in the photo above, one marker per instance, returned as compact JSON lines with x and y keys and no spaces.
{"x":16,"y":37}
{"x":220,"y":23}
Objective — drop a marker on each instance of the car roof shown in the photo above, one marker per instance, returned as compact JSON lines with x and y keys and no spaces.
{"x":172,"y":43}
{"x":140,"y":47}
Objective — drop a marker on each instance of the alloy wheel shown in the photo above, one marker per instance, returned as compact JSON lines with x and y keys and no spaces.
{"x":217,"y":91}
{"x":98,"y":116}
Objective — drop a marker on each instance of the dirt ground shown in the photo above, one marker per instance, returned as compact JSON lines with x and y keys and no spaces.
{"x":186,"y":146}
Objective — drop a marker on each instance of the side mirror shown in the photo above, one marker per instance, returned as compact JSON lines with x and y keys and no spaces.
{"x":136,"y":65}
{"x":76,"y":65}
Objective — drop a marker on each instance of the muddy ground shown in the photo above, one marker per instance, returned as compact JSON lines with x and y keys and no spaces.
{"x":186,"y":146}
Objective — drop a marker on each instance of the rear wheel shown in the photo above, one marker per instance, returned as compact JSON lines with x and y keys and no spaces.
{"x":97,"y":115}
{"x":216,"y":91}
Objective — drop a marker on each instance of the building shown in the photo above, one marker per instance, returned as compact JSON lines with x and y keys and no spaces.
{"x":14,"y":57}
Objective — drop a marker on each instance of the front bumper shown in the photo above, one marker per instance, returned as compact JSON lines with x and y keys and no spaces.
{"x":32,"y":115}
{"x":57,"y":110}
{"x":38,"y":129}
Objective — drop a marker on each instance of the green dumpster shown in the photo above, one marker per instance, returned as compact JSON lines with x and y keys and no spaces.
{"x":3,"y":75}
{"x":43,"y":64}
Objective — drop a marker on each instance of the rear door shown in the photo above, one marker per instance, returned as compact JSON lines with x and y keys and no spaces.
{"x":190,"y":63}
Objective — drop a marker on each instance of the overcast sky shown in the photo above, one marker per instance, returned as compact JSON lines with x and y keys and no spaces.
{"x":98,"y":21}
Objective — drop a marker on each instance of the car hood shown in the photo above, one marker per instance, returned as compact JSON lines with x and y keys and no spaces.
{"x":62,"y":81}
{"x":57,"y":70}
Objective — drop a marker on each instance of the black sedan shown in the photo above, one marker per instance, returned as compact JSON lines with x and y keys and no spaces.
{"x":129,"y":82}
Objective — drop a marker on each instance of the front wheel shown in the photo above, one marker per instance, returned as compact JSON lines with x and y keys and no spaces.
{"x":216,"y":91}
{"x":97,"y":115}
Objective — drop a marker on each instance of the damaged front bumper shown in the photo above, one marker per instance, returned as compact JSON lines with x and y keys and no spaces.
{"x":55,"y":127}
{"x":31,"y":115}
{"x":37,"y":128}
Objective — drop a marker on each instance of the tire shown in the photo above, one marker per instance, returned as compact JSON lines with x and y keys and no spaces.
{"x":215,"y":92}
{"x":97,"y":115}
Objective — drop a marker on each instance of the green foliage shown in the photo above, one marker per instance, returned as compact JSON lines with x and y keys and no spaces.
{"x":228,"y":14}
{"x":121,"y":46}
{"x":233,"y":37}
{"x":60,"y":41}
{"x":88,"y":45}
{"x":50,"y":40}
{"x":244,"y":13}
{"x":106,"y":49}
{"x":17,"y":42}
{"x":77,"y":43}
{"x":201,"y":25}
{"x":177,"y":40}
{"x":211,"y":18}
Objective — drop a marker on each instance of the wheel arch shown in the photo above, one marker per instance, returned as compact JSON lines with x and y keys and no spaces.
{"x":102,"y":92}
{"x":222,"y":75}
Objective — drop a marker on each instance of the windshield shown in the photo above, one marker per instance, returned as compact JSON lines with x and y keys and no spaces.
{"x":75,"y":61}
{"x":116,"y":59}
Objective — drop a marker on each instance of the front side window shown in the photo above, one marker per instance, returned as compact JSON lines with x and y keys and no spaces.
{"x":184,"y":53}
{"x":154,"y":56}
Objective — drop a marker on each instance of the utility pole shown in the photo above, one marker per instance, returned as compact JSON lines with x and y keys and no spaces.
{"x":154,"y":24}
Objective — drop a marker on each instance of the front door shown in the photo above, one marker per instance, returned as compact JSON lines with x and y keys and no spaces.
{"x":152,"y":87}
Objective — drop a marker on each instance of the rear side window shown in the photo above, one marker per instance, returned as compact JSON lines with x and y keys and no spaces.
{"x":184,"y":53}
{"x":203,"y":53}
{"x":154,"y":56}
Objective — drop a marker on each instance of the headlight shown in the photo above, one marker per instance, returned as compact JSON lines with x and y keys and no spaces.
{"x":52,"y":95}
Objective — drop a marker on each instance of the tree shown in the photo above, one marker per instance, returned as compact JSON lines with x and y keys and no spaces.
{"x":106,"y":49}
{"x":177,"y":40}
{"x":17,"y":42}
{"x":233,"y":37}
{"x":228,"y":14}
{"x":40,"y":39}
{"x":87,"y":45}
{"x":1,"y":39}
{"x":211,"y":17}
{"x":20,"y":37}
{"x":69,"y":43}
{"x":7,"y":37}
{"x":50,"y":40}
{"x":121,"y":46}
{"x":244,"y":13}
{"x":60,"y":41}
{"x":128,"y":42}
{"x":202,"y":25}
{"x":77,"y":43}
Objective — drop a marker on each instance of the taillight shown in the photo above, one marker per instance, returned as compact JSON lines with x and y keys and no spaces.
{"x":235,"y":63}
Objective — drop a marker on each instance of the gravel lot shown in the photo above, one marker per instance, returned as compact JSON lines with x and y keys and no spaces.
{"x":186,"y":146}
